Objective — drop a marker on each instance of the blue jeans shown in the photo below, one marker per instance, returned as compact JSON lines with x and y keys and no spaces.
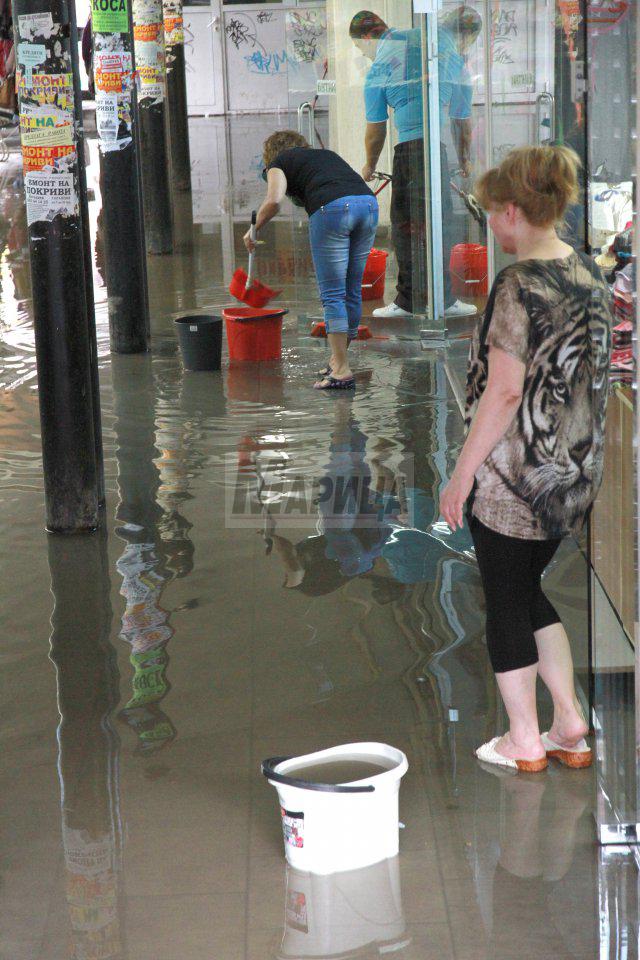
{"x":342,"y":234}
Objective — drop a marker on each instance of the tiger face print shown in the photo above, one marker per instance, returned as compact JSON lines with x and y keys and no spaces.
{"x":544,"y":473}
{"x":555,"y":463}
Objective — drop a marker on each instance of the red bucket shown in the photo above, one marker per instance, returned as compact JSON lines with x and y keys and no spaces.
{"x":468,"y":269}
{"x":253,"y":333}
{"x":374,"y":275}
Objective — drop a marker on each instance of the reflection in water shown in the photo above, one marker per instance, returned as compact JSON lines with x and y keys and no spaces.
{"x":158,"y":549}
{"x":87,"y":681}
{"x":345,"y":914}
{"x":376,"y":544}
{"x":529,"y":882}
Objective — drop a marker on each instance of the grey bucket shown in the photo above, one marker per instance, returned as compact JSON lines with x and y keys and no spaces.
{"x":200,"y":339}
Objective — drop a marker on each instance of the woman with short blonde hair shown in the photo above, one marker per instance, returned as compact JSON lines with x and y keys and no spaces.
{"x":531,"y":463}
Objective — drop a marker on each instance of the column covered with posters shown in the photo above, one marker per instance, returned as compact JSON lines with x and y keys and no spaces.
{"x":62,"y":294}
{"x":177,"y":94}
{"x":148,"y":29}
{"x":121,"y":213}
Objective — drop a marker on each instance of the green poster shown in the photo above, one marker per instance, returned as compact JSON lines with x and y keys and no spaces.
{"x":109,"y":16}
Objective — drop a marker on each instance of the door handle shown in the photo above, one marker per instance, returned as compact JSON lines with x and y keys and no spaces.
{"x":546,"y":97}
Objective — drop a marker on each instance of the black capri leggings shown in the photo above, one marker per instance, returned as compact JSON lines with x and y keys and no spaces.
{"x":516,"y":606}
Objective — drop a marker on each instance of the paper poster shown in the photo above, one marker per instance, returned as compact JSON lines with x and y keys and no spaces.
{"x":32,"y":25}
{"x":49,"y":159}
{"x":107,"y":116}
{"x":173,"y":22}
{"x":109,"y":16}
{"x":147,"y":11}
{"x":147,"y":33}
{"x":46,"y":122}
{"x":34,"y":117}
{"x":53,"y":89}
{"x":150,"y":70}
{"x":112,"y":71}
{"x":48,"y":136}
{"x":50,"y":194}
{"x":31,"y":55}
{"x":173,"y":31}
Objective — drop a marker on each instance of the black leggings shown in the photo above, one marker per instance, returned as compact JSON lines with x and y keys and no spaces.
{"x":516,"y":606}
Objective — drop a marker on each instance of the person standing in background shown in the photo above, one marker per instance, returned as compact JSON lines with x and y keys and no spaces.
{"x":395,"y":81}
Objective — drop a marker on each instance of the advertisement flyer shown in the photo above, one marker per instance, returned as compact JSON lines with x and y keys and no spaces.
{"x":109,"y":16}
{"x":112,"y":71}
{"x":54,"y":89}
{"x":48,"y":136}
{"x":173,"y":22}
{"x":31,"y":25}
{"x":147,"y":32}
{"x":49,"y":195}
{"x":49,"y":159}
{"x":147,"y":12}
{"x":107,"y":122}
{"x":150,"y":69}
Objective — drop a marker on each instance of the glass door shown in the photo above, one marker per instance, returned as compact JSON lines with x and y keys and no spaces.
{"x":501,"y":74}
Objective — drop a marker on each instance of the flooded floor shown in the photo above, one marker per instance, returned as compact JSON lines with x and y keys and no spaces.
{"x":273,"y":580}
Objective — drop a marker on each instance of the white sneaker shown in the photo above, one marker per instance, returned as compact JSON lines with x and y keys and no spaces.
{"x":460,"y":309}
{"x":391,"y":311}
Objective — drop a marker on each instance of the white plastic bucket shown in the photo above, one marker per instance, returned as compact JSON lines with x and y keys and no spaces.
{"x":329,"y":828}
{"x":343,"y":914}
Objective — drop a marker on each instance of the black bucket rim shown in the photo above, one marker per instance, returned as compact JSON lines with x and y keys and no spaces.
{"x":194,"y":318}
{"x":268,"y":769}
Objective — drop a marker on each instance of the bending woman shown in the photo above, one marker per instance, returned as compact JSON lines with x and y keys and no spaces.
{"x":536,"y":397}
{"x":343,"y":216}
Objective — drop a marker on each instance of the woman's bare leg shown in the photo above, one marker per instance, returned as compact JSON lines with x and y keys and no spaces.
{"x":556,"y":671}
{"x":518,"y":690}
{"x":340,"y":365}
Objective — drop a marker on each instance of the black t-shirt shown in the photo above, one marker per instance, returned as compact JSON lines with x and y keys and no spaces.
{"x":316,"y":177}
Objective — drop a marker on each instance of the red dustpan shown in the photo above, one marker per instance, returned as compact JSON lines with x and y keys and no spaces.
{"x":244,"y":288}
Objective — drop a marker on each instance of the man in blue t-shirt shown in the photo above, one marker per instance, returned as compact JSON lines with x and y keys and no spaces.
{"x":395,"y":81}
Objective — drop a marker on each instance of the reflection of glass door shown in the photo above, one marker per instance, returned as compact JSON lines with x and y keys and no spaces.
{"x":503,"y":74}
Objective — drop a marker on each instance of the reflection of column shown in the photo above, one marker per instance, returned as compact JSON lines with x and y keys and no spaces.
{"x":87,"y":681}
{"x":158,"y":548}
{"x":340,"y":914}
{"x":145,"y":624}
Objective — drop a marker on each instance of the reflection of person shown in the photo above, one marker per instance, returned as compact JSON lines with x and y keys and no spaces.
{"x":537,"y":390}
{"x":372,"y":524}
{"x":343,"y":215}
{"x":395,"y":81}
{"x":542,"y":868}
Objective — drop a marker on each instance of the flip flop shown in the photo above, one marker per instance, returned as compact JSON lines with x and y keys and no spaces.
{"x":488,"y":754}
{"x":581,"y":756}
{"x":334,"y":383}
{"x":325,"y":373}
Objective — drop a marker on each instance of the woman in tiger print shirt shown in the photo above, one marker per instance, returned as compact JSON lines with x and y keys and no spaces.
{"x":531,"y":464}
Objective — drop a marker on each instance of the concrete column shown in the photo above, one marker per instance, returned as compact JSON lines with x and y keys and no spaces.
{"x":48,"y":81}
{"x":120,"y":180}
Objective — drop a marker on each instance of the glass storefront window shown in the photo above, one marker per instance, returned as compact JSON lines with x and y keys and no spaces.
{"x":611,"y":46}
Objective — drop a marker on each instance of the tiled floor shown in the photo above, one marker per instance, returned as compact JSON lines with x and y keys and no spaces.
{"x":147,"y":672}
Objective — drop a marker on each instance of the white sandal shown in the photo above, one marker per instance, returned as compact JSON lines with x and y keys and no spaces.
{"x":488,"y":754}
{"x":579,"y":757}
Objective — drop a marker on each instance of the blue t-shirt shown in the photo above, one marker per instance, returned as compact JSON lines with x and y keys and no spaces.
{"x":454,"y":82}
{"x":395,"y":80}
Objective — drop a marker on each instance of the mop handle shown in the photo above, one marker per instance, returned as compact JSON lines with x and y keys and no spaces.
{"x":254,"y":234}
